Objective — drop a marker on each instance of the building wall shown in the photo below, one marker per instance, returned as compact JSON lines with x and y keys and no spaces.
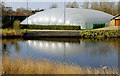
{"x":117,"y":22}
{"x":117,"y":17}
{"x":112,"y":22}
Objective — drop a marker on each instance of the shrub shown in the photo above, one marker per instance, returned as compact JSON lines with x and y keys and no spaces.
{"x":98,"y":25}
{"x":16,"y":24}
{"x":51,"y":27}
{"x":100,"y":34}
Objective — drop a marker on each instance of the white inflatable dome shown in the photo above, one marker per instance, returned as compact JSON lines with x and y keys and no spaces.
{"x":73,"y":16}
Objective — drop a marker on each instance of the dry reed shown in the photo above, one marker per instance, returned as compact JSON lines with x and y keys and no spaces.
{"x":38,"y":66}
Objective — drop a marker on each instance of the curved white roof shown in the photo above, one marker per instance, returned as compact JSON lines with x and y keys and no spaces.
{"x":73,"y":16}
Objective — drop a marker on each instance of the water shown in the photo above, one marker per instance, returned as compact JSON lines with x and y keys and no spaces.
{"x":82,"y":52}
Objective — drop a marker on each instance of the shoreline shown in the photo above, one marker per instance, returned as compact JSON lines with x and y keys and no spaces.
{"x":60,"y":33}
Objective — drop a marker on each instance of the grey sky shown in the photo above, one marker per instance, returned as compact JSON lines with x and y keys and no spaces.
{"x":34,"y":5}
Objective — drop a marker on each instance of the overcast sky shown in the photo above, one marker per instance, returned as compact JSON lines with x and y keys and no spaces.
{"x":39,"y":4}
{"x":35,"y":5}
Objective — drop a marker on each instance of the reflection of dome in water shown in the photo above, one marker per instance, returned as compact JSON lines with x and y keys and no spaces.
{"x":73,"y":16}
{"x":53,"y":48}
{"x":56,"y":48}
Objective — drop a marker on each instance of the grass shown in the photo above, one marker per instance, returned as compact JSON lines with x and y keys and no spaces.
{"x":38,"y":66}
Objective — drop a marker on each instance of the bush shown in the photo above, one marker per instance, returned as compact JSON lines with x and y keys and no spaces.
{"x":51,"y":27}
{"x":98,"y":25}
{"x":16,"y":24}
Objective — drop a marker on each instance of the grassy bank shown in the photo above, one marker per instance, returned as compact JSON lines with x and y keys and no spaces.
{"x":20,"y":66}
{"x":100,"y":33}
{"x":82,"y":33}
{"x":12,"y":33}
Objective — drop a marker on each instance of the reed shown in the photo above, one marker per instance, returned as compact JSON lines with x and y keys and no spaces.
{"x":44,"y":66}
{"x":12,"y":33}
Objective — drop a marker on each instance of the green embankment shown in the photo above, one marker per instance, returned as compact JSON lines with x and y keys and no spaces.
{"x":100,"y":33}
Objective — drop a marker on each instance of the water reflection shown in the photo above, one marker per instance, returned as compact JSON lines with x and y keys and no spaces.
{"x":55,"y":48}
{"x":79,"y":51}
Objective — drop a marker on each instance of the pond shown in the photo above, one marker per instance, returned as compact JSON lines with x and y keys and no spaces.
{"x":82,"y":52}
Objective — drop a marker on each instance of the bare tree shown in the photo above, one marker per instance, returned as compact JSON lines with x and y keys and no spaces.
{"x":119,"y":7}
{"x":68,"y":5}
{"x":74,"y":5}
{"x":86,"y":4}
{"x":95,"y":5}
{"x":6,"y":21}
{"x":107,"y":7}
{"x":115,"y":9}
{"x":53,"y":6}
{"x":23,"y":10}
